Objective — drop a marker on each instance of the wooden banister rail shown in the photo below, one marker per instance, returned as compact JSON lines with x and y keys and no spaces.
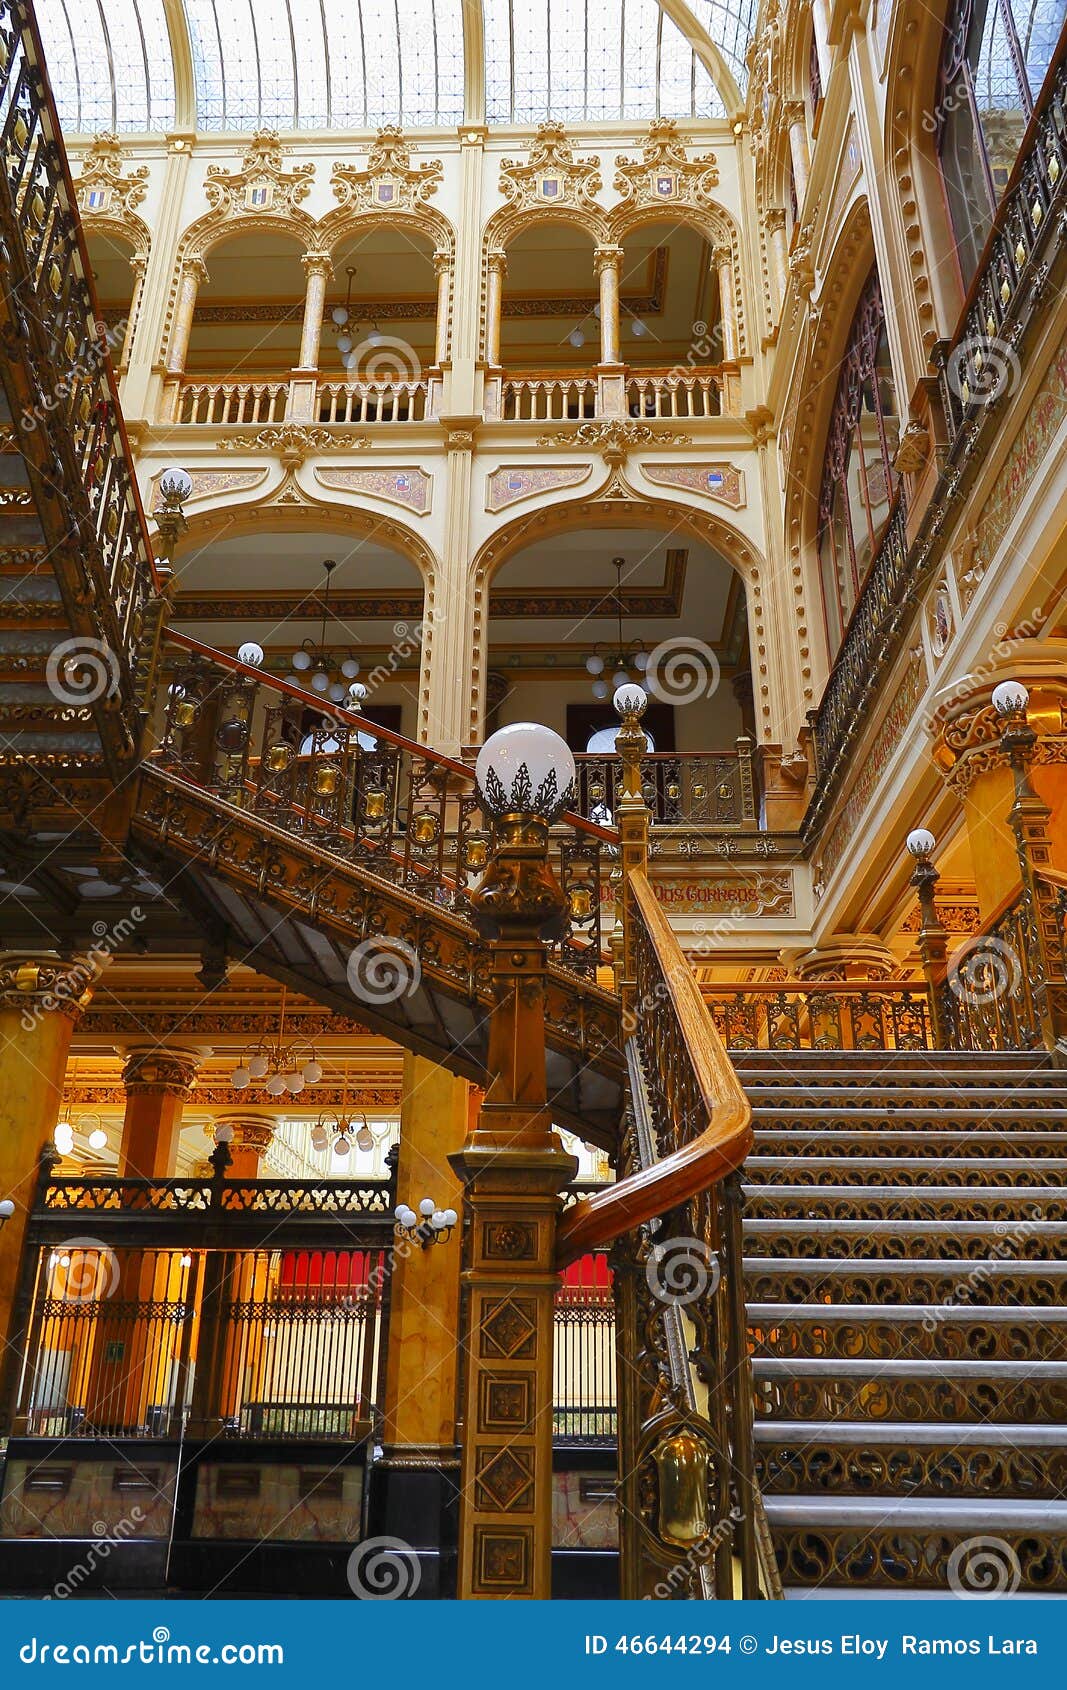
{"x":696,"y":1078}
{"x":356,"y":719}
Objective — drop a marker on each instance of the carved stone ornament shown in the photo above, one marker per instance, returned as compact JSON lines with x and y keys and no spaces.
{"x":262,"y":184}
{"x":158,"y":1071}
{"x":613,"y":439}
{"x":103,"y":190}
{"x":293,"y":442}
{"x":551,"y":175}
{"x":664,"y":175}
{"x":913,"y":451}
{"x":388,"y":181}
{"x":39,"y":986}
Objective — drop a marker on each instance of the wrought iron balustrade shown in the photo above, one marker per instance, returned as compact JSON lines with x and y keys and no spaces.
{"x":681,"y":789}
{"x":979,"y":364}
{"x":72,"y":428}
{"x":364,"y":794}
{"x":584,"y":1355}
{"x":271,"y":1343}
{"x":1006,"y":989}
{"x":821,"y":1015}
{"x":976,"y":370}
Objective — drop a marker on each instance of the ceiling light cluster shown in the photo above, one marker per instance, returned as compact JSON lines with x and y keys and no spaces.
{"x":279,"y":1065}
{"x":624,"y":659}
{"x":338,"y":1132}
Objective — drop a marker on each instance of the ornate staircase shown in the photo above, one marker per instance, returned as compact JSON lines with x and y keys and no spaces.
{"x":905,"y":1271}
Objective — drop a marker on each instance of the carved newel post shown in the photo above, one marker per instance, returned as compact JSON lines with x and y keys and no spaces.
{"x":513,"y":1168}
{"x":1029,"y":817}
{"x":933,"y":938}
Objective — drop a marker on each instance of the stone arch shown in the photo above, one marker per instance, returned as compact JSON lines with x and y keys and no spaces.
{"x":290,"y":506}
{"x":218,"y":226}
{"x":345,"y":220}
{"x":617,"y":503}
{"x":713,"y":221}
{"x":913,"y":54}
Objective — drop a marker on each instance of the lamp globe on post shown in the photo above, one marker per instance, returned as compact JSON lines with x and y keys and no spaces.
{"x":525,"y":778}
{"x":920,"y":842}
{"x":1010,"y":698}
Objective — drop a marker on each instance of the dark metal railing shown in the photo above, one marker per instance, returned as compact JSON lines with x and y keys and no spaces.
{"x":681,"y":789}
{"x":1006,"y":989}
{"x":71,"y":428}
{"x":821,"y":1015}
{"x":363,"y":793}
{"x":145,"y":1342}
{"x":978,"y":369}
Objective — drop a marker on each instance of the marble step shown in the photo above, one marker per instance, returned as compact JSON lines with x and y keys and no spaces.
{"x":911,"y":1459}
{"x":868,"y":1240}
{"x":926,"y":1202}
{"x":974,"y":1284}
{"x":1008,"y":1172}
{"x":905,"y":1332}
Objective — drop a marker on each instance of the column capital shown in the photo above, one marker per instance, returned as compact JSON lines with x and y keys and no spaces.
{"x":196,"y":269}
{"x":497,"y":263}
{"x":42,"y":983}
{"x":442,"y":262}
{"x":317,"y":264}
{"x":159,"y":1070}
{"x":775,"y":221}
{"x":606,"y":256}
{"x":794,"y":111}
{"x":253,"y":1129}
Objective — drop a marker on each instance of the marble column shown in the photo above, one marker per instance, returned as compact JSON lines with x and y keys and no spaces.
{"x":494,"y":304}
{"x":318,"y":269}
{"x":442,"y":263}
{"x":608,"y":260}
{"x":194,"y":273}
{"x":796,"y":117}
{"x":157,"y":1080}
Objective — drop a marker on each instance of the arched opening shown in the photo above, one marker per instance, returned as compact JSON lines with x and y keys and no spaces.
{"x":380,"y":329}
{"x":671,"y":321}
{"x":249,"y":309}
{"x":268,"y":586}
{"x":111,"y":263}
{"x":549,"y":324}
{"x":568,"y":621}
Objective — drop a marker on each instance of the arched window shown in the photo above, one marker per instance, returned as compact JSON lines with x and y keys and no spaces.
{"x":993,"y":61}
{"x":858,"y":482}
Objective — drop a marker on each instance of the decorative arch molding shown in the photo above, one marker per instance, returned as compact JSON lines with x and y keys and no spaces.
{"x":289,"y":506}
{"x":553,"y":186}
{"x":388,"y":189}
{"x":913,"y":52}
{"x":803,"y":431}
{"x":619,"y":504}
{"x":107,"y":194}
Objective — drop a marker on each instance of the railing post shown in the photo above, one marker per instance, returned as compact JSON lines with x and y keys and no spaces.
{"x":631,"y":816}
{"x":1029,"y":817}
{"x":933,"y":938}
{"x":513,"y":1168}
{"x":18,"y":1347}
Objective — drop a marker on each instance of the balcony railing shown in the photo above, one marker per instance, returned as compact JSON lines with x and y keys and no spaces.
{"x":229,"y":401}
{"x":670,"y":393}
{"x":681,"y":789}
{"x":372,"y":401}
{"x":548,"y":398}
{"x":976,"y":374}
{"x":821,"y":1015}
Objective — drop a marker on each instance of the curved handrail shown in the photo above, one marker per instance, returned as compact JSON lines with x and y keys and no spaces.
{"x":726,"y":1137}
{"x":355,"y":719}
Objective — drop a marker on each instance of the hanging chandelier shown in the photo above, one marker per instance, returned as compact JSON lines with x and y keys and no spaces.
{"x":624,"y":659}
{"x":338,"y":1131}
{"x":278,"y":1064}
{"x":317,"y":670}
{"x":346,"y":324}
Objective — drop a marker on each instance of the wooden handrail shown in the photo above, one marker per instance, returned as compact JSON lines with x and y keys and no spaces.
{"x":356,"y":719}
{"x":715,"y":1152}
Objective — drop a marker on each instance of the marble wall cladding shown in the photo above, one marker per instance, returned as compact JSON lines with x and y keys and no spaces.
{"x":95,"y":1498}
{"x":313,"y":1503}
{"x":584,"y":1511}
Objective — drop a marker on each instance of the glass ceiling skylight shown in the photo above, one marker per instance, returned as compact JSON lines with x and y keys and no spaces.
{"x":356,"y":64}
{"x":109,"y":63}
{"x":590,"y":61}
{"x":326,"y":64}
